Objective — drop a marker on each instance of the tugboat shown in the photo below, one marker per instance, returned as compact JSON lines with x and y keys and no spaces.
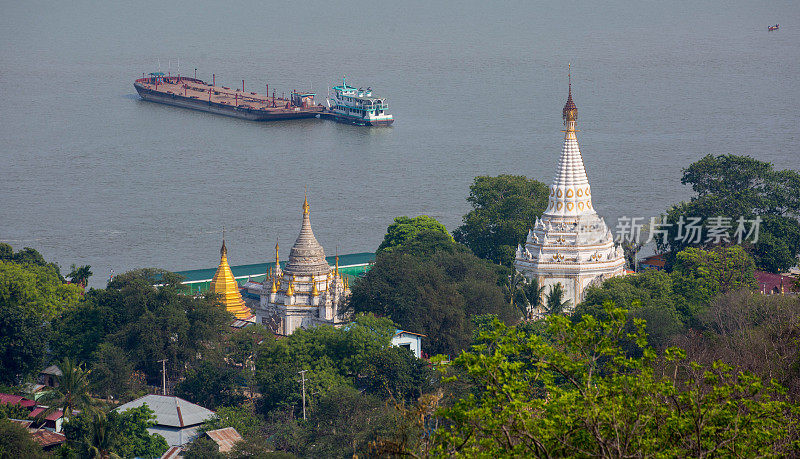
{"x":351,"y":105}
{"x":774,"y":27}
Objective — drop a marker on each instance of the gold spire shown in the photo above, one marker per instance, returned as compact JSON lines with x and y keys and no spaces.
{"x":224,"y":285}
{"x":277,"y":255}
{"x":290,"y":288}
{"x":336,"y":269}
{"x":274,"y":288}
{"x":305,"y":203}
{"x":314,"y":290}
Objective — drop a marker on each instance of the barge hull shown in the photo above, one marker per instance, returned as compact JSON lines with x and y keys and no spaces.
{"x":222,"y":109}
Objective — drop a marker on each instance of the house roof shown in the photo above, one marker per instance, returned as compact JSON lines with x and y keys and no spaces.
{"x":45,"y":438}
{"x":16,"y":400}
{"x":654,"y":260}
{"x":172,"y":453}
{"x":57,"y":414}
{"x":52,"y":370}
{"x":769,"y":282}
{"x":170,"y":411}
{"x":401,"y":332}
{"x":224,"y":438}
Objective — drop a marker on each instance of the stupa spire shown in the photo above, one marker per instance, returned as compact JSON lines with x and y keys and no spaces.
{"x":570,"y":194}
{"x":224,"y":284}
{"x":306,"y":255}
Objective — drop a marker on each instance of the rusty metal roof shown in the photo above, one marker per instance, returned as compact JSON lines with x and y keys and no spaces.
{"x":45,"y":438}
{"x":172,"y":453}
{"x":225,"y":438}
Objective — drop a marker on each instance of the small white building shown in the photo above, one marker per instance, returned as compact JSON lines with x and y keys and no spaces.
{"x":411,"y":341}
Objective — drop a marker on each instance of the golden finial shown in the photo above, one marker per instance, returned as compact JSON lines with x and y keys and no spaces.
{"x":274,"y":288}
{"x":336,"y":270}
{"x":314,"y":290}
{"x":290,"y":288}
{"x":305,"y":202}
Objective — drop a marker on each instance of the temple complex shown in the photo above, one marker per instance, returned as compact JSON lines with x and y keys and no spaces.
{"x":307,"y":291}
{"x":570,"y":244}
{"x":227,"y":288}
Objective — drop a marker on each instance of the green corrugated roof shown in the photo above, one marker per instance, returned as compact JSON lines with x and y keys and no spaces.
{"x":345,"y":261}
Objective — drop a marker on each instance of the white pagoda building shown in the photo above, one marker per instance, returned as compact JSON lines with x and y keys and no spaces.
{"x":307,"y":291}
{"x":570,"y":245}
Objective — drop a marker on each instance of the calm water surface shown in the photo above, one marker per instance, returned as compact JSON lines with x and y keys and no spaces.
{"x":90,"y":174}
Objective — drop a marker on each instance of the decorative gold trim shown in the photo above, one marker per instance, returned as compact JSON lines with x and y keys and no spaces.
{"x":580,"y":193}
{"x":558,"y":194}
{"x":560,"y":205}
{"x":569,"y":206}
{"x":580,"y":206}
{"x":569,"y":192}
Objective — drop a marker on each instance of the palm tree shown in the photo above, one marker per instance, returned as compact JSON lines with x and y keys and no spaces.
{"x":533,"y":293}
{"x":555,"y":300}
{"x":99,"y":440}
{"x":72,"y":392}
{"x":80,"y":275}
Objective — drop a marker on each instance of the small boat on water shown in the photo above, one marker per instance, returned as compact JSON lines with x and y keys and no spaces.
{"x":351,"y":105}
{"x":774,"y":27}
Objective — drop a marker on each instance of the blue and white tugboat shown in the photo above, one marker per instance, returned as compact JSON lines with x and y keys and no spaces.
{"x":350,"y":105}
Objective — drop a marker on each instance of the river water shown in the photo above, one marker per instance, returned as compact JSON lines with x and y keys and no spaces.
{"x":90,"y":174}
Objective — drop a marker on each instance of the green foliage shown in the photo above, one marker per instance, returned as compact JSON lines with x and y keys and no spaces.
{"x":345,"y":422}
{"x":148,"y":323}
{"x":331,"y":356}
{"x":38,"y":288}
{"x":203,"y":448}
{"x":404,"y":228}
{"x":432,"y":289}
{"x":15,"y":441}
{"x":740,"y":186}
{"x":504,"y":208}
{"x":581,"y":394}
{"x":111,"y":372}
{"x":556,"y":304}
{"x":243,"y":418}
{"x":124,"y":434}
{"x":700,"y":275}
{"x":9,"y":411}
{"x":394,"y":373}
{"x":669,"y":302}
{"x":80,"y":275}
{"x":71,"y":393}
{"x":212,"y":386}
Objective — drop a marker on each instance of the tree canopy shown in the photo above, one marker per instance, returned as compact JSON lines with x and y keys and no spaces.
{"x":730,"y":187}
{"x":405,"y":228}
{"x":579,"y":393}
{"x":672,"y":302}
{"x":432,"y":287}
{"x":504,"y":208}
{"x":32,"y":294}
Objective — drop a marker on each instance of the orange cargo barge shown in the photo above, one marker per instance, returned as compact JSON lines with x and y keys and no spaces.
{"x":198,"y":95}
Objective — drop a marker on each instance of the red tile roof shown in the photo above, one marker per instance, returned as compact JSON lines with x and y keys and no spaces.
{"x":16,"y":400}
{"x":50,"y":417}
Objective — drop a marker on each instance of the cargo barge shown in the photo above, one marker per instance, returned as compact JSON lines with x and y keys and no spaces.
{"x":198,"y":95}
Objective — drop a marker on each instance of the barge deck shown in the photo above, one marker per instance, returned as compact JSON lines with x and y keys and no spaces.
{"x":198,"y":95}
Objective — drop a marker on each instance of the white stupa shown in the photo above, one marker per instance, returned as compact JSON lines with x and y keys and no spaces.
{"x":570,"y":244}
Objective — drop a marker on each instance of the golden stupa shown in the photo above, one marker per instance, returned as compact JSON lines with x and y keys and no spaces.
{"x":226,"y":287}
